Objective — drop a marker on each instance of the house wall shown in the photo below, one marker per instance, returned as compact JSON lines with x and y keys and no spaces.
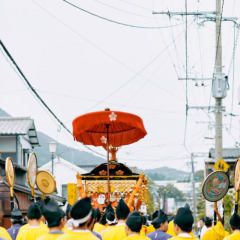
{"x":19,"y":151}
{"x":8,"y":147}
{"x":5,"y":204}
{"x":64,"y":173}
{"x":7,"y":144}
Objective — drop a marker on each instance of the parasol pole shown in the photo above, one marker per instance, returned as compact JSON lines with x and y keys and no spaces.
{"x":11,"y":198}
{"x":236,"y":201}
{"x":223,"y":211}
{"x":215,"y":214}
{"x":108,"y":177}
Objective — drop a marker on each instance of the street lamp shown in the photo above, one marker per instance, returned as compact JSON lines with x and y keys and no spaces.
{"x":52,"y":150}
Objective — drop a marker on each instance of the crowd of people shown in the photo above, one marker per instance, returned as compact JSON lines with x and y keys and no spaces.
{"x":47,"y":221}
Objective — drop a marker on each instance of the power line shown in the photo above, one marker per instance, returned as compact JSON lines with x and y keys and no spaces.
{"x":37,"y":95}
{"x":135,"y":5}
{"x":121,"y":10}
{"x":113,"y":21}
{"x":91,"y":43}
{"x":136,"y":74}
{"x":186,"y":52}
{"x":113,"y":103}
{"x":32,"y":89}
{"x":233,"y":71}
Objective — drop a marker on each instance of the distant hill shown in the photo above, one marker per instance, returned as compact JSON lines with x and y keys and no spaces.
{"x":166,"y":173}
{"x":70,"y":154}
{"x":4,"y":114}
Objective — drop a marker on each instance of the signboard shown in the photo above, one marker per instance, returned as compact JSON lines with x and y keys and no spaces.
{"x":215,"y":186}
{"x":237,"y":176}
{"x":10,"y":173}
{"x":45,"y":182}
{"x":221,"y":165}
{"x":32,"y":170}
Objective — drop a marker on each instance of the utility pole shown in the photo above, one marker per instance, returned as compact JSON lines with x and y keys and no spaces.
{"x":218,"y":98}
{"x":218,"y":69}
{"x":219,"y":81}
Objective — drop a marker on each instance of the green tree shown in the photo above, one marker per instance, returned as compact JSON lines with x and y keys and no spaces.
{"x":171,"y":192}
{"x":200,"y":204}
{"x":228,"y":208}
{"x":151,"y":188}
{"x":199,"y":176}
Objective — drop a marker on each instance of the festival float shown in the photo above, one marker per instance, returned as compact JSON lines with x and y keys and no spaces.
{"x":132,"y":187}
{"x":110,"y":181}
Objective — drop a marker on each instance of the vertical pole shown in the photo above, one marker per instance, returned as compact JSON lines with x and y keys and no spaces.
{"x":108,"y":177}
{"x":218,"y":103}
{"x":52,"y":164}
{"x":236,"y":202}
{"x":223,"y":211}
{"x":159,"y":204}
{"x":194,"y":194}
{"x":11,"y":198}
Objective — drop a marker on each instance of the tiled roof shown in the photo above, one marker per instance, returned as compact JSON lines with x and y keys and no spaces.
{"x":19,"y":126}
{"x":226,"y":153}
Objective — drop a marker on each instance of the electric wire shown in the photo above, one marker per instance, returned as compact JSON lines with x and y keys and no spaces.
{"x":121,"y":10}
{"x":84,"y":38}
{"x":134,"y":76}
{"x":113,"y":21}
{"x":135,"y":5}
{"x":169,"y":53}
{"x":186,"y":53}
{"x":149,"y":80}
{"x":113,"y":103}
{"x":91,"y":43}
{"x":175,"y":46}
{"x":233,"y":71}
{"x":30,"y":87}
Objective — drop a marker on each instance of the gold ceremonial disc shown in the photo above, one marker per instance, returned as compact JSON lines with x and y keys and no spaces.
{"x":45,"y":182}
{"x":215,"y":186}
{"x":9,"y":169}
{"x":237,"y":176}
{"x":32,"y":170}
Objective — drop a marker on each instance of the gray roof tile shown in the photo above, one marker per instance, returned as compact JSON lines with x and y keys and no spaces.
{"x":19,"y":126}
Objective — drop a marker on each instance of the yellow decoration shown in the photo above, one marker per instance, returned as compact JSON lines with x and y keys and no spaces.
{"x":221,"y":165}
{"x":72,"y":193}
{"x":95,"y":186}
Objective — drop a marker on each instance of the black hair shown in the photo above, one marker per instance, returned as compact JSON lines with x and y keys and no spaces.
{"x":235,"y":227}
{"x":17,"y":221}
{"x":103,"y":219}
{"x":187,"y":229}
{"x":68,"y":211}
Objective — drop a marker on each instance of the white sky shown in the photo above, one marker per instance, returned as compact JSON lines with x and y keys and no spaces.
{"x":79,"y":63}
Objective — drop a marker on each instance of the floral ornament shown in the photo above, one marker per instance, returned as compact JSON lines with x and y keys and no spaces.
{"x":103,"y":140}
{"x":119,"y":172}
{"x":112,"y":166}
{"x":103,"y":173}
{"x":112,"y":116}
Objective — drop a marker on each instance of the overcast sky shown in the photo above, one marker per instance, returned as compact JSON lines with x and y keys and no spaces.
{"x":80,"y":63}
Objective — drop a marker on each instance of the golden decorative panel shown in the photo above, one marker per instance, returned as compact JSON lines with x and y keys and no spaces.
{"x":100,"y":186}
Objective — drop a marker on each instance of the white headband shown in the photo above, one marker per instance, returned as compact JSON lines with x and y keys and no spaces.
{"x":111,"y":222}
{"x":76,"y":222}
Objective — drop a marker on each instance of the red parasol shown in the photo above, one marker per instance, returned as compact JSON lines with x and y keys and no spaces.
{"x":108,"y":127}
